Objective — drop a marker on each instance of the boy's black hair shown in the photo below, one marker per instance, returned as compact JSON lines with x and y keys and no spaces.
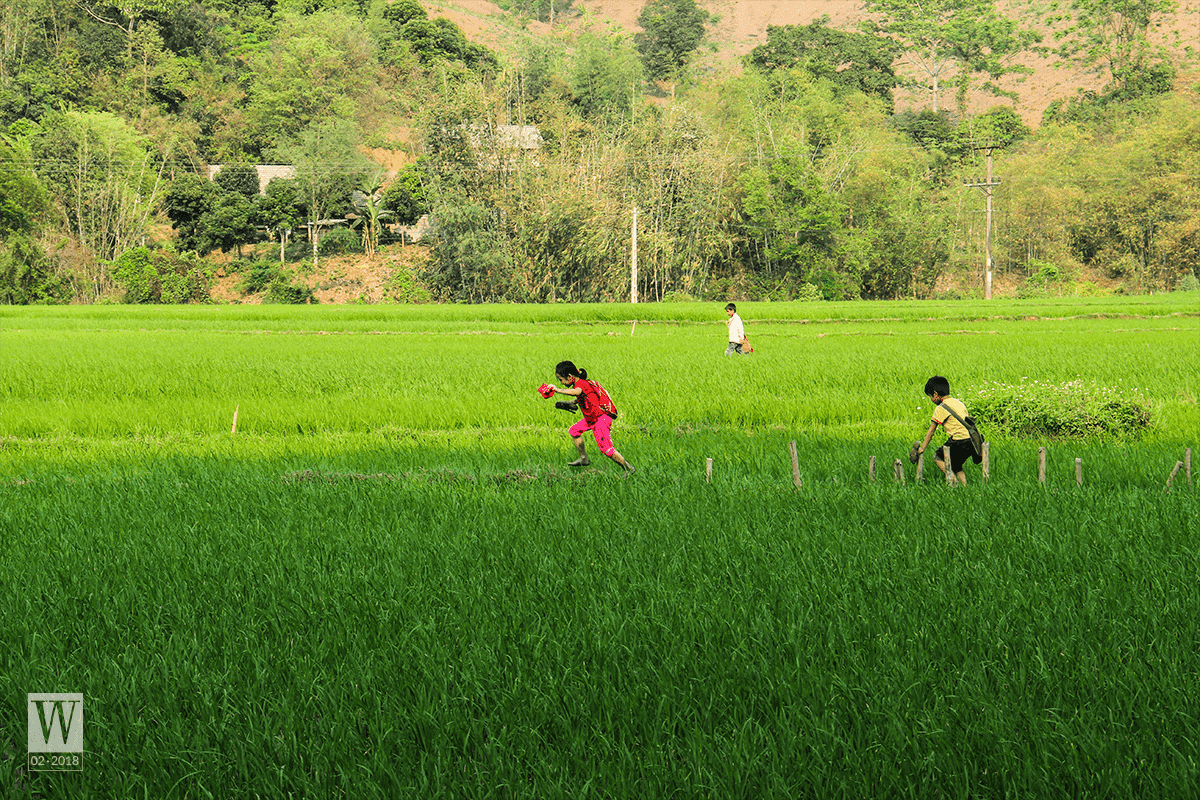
{"x":937,"y":384}
{"x":567,"y":369}
{"x":731,"y":307}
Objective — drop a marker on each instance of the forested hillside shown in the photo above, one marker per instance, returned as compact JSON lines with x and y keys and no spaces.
{"x":826,"y":150}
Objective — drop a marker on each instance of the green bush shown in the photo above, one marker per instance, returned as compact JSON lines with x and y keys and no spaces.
{"x":26,"y":275}
{"x":809,"y":293}
{"x":785,"y":288}
{"x":404,"y":287}
{"x":161,"y":276}
{"x":339,"y":240}
{"x":1071,"y":410}
{"x":258,"y":275}
{"x":1045,"y":280}
{"x":1188,"y":283}
{"x":267,"y":276}
{"x":284,"y":292}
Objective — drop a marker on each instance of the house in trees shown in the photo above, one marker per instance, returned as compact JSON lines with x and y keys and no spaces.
{"x":503,"y":147}
{"x":266,"y":173}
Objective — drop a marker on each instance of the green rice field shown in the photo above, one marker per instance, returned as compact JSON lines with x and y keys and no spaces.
{"x":387,"y":582}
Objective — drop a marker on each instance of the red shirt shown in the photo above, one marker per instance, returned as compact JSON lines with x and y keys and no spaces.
{"x":590,"y":402}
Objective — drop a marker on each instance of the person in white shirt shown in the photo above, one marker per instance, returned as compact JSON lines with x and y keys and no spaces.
{"x":737,"y":332}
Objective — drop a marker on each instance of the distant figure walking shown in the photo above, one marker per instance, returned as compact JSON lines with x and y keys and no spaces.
{"x":738,"y":343}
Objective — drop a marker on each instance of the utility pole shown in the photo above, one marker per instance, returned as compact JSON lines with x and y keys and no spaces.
{"x":633,"y":262}
{"x":985,"y":185}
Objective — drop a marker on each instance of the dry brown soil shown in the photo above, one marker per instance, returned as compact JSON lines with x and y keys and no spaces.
{"x":336,"y":279}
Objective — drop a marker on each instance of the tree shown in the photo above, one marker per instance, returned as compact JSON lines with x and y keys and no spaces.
{"x":316,"y":67}
{"x":186,"y":201}
{"x":671,"y":31}
{"x":791,"y":213}
{"x":228,"y":224}
{"x":240,"y":179}
{"x":440,"y":39}
{"x":855,"y":60}
{"x":949,"y":41}
{"x":328,"y":168}
{"x":109,"y":180}
{"x":605,"y":77}
{"x":468,"y":261}
{"x":281,"y":210}
{"x":26,"y":275}
{"x":401,"y":11}
{"x":542,"y":10}
{"x":405,"y":197}
{"x":1112,"y":36}
{"x":23,"y":199}
{"x":369,"y":187}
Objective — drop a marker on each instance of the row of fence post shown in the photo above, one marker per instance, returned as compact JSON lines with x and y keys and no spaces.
{"x":985,"y":465}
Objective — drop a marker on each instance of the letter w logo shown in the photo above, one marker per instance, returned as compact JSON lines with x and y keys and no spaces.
{"x":50,"y":711}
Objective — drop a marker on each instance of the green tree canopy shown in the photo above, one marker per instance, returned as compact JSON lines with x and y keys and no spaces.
{"x":671,"y":32}
{"x":856,"y":60}
{"x":406,"y":197}
{"x":949,"y":41}
{"x":605,"y":75}
{"x":316,"y":67}
{"x":187,"y":199}
{"x":238,"y":178}
{"x":440,"y":39}
{"x":229,"y":224}
{"x":1112,"y":36}
{"x":23,"y":199}
{"x":401,"y":11}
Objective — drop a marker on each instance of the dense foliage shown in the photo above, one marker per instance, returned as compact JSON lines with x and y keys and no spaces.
{"x":795,"y":178}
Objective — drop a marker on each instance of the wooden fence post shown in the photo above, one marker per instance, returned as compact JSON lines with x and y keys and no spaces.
{"x":920,"y":467}
{"x":1079,"y":472}
{"x":235,"y":412}
{"x":1171,"y":477}
{"x":871,"y":469}
{"x":795,"y":464}
{"x":1041,"y":465}
{"x":708,"y":470}
{"x":987,"y":462}
{"x":898,"y":472}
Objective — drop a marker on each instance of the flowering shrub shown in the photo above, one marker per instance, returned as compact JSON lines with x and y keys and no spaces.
{"x":1073,"y":410}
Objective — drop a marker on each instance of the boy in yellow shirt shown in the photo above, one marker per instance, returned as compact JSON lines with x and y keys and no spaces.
{"x":958,"y":439}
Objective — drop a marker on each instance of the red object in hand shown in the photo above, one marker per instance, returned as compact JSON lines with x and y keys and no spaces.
{"x":545,"y":390}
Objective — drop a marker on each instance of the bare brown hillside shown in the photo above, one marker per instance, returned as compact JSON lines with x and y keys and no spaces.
{"x":742,"y":24}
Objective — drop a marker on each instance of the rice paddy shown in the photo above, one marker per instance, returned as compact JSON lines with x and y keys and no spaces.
{"x":387,"y":583}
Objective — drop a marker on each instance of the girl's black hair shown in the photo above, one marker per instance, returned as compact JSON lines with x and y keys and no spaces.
{"x":567,"y":368}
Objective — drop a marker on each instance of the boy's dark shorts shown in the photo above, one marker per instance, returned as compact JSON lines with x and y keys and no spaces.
{"x":960,"y":451}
